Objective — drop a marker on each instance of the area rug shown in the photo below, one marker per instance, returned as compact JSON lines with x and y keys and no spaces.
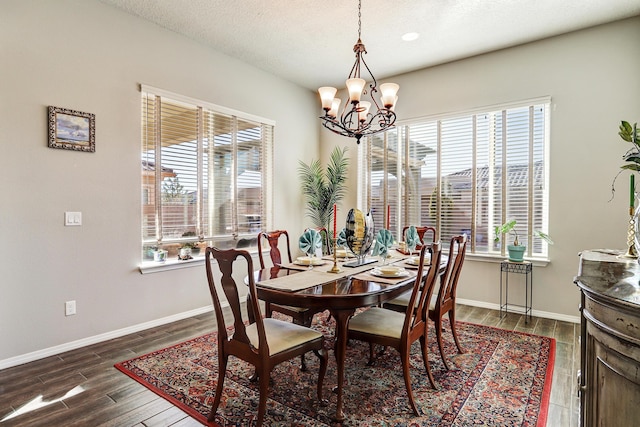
{"x":502,"y":379}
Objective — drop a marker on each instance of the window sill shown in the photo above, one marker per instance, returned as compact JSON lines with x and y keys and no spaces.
{"x":537,"y":262}
{"x":147,"y":267}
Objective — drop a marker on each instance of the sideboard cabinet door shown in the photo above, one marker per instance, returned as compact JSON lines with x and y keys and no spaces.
{"x":612,"y":366}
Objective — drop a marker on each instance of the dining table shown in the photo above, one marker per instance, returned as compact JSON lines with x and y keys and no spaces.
{"x":341,"y":292}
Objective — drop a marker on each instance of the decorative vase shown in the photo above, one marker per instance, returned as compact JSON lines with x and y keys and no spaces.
{"x":160,"y":255}
{"x":516,"y":252}
{"x":185,"y":253}
{"x":359,"y":234}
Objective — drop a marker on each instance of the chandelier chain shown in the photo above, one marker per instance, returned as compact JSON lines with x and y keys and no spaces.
{"x":359,"y":19}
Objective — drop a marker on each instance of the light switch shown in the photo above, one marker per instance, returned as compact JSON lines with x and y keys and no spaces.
{"x":72,"y":219}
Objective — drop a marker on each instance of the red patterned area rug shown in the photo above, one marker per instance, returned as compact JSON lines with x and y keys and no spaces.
{"x":502,"y":379}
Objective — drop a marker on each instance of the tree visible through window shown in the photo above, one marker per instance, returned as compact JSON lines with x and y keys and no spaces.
{"x":463,"y":174}
{"x":205,"y":172}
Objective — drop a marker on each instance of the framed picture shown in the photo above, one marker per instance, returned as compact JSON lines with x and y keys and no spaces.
{"x":72,"y":130}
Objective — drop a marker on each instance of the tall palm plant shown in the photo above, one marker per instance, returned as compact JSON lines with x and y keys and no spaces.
{"x":322,"y":188}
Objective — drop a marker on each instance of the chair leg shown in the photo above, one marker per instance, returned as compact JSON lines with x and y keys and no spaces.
{"x":324,"y":359}
{"x":303,"y":363}
{"x":268,"y":311}
{"x":222,"y":369}
{"x":452,"y":321}
{"x":425,"y":360}
{"x":304,"y":322}
{"x":264,"y":391}
{"x":404,"y":355}
{"x":438,"y":324}
{"x":372,"y":357}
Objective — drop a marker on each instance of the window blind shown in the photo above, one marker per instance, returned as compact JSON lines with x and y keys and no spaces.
{"x":204,"y":170}
{"x":465,"y":173}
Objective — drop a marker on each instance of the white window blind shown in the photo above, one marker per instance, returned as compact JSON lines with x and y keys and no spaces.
{"x":205,"y":172}
{"x":464,"y":173}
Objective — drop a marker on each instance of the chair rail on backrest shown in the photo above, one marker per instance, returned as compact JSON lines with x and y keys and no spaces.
{"x":449,"y":279}
{"x":421,"y":233}
{"x":273,"y":238}
{"x":225,"y":260}
{"x":421,"y":295}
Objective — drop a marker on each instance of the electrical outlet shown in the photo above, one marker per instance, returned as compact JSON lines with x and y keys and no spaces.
{"x":69,"y":308}
{"x":73,"y":219}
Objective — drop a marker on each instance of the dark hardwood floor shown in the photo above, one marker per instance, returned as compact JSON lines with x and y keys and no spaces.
{"x":41,"y":393}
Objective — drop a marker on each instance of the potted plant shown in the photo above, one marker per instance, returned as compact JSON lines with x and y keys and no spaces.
{"x":147,"y":252}
{"x":187,"y":249}
{"x":631,"y":134}
{"x":323,"y":189}
{"x":516,"y":250}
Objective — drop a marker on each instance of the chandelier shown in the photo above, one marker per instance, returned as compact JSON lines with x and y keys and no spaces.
{"x":357,"y":118}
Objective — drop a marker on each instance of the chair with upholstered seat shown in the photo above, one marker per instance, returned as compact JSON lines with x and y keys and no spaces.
{"x":300,"y":315}
{"x":263,"y":343}
{"x":398,"y":330}
{"x":446,"y":299}
{"x":421,"y":232}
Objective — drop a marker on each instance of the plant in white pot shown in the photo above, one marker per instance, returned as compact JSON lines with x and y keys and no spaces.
{"x":516,"y":250}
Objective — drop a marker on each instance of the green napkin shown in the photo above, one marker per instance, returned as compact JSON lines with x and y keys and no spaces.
{"x":384,"y":241}
{"x":310,"y":241}
{"x":411,"y":238}
{"x":342,"y":238}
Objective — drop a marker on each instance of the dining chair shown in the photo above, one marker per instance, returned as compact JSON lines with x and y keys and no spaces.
{"x":446,"y":301}
{"x":300,"y":315}
{"x":446,"y":297}
{"x":421,"y":232}
{"x":263,"y":343}
{"x":400,"y":330}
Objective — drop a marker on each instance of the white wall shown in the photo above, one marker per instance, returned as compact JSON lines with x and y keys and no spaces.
{"x":592,"y":77}
{"x":87,"y":56}
{"x":84,"y":55}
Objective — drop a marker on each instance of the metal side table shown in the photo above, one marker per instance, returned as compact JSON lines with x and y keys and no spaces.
{"x":526,"y":268}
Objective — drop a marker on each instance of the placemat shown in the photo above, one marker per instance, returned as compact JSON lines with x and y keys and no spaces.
{"x":366,"y":275}
{"x":302,"y":280}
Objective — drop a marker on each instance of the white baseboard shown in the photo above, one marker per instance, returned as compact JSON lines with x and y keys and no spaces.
{"x":41,"y":354}
{"x":537,"y":313}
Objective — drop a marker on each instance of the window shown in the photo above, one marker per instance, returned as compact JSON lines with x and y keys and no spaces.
{"x":205,"y":173}
{"x":463,"y":173}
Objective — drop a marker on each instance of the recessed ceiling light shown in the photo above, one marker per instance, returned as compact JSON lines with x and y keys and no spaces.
{"x":408,"y":37}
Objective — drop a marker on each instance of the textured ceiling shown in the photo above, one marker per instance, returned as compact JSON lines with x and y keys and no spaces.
{"x":310,"y":42}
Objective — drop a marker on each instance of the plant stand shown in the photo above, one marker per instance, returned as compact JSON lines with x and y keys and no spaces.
{"x":526,"y":268}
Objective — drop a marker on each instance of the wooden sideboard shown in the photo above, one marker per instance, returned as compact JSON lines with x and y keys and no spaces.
{"x":609,"y":378}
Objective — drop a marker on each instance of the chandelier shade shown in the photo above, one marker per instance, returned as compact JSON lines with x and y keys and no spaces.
{"x":361,"y":115}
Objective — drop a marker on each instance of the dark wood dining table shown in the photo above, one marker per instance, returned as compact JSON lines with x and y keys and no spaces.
{"x":341,"y":296}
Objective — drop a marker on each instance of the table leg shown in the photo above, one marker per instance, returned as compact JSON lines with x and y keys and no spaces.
{"x":340,"y":350}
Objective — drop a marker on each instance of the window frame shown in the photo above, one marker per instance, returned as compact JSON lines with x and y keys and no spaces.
{"x":201,"y":108}
{"x":400,"y":215}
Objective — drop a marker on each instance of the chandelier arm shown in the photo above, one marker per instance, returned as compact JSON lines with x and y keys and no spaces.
{"x":373,"y":85}
{"x":355,"y":70}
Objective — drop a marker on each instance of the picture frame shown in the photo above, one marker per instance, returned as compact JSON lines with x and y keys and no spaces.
{"x":72,"y":130}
